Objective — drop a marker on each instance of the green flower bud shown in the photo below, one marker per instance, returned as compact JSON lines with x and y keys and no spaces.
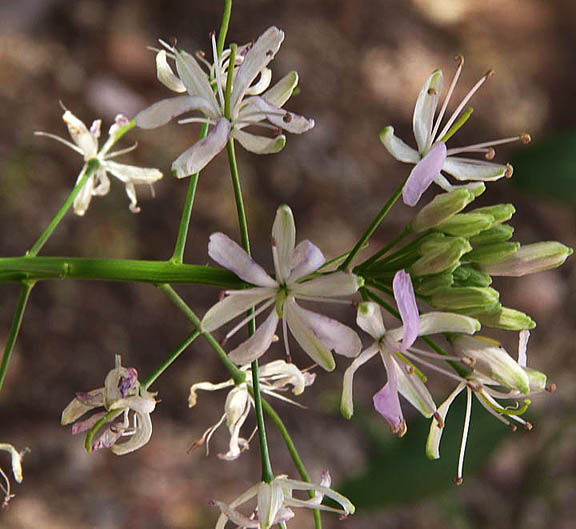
{"x":466,"y":224}
{"x":428,"y":285}
{"x":500,"y":212}
{"x":477,"y":188}
{"x":492,"y":253}
{"x":528,"y":259}
{"x":509,"y":319}
{"x":439,"y":255}
{"x":441,"y":208}
{"x":467,"y":300}
{"x":467,"y":276}
{"x":498,"y":233}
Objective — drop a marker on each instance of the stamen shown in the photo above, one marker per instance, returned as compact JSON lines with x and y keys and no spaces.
{"x":250,"y":317}
{"x":492,"y":143}
{"x":459,"y":478}
{"x":217,"y":72}
{"x":61,"y":140}
{"x":528,"y":426}
{"x":434,"y":367}
{"x":320,"y":299}
{"x":439,"y":420}
{"x":286,"y":344}
{"x":122,"y":151}
{"x":551,"y":388}
{"x":509,"y":171}
{"x":525,"y":138}
{"x":490,"y":153}
{"x":185,"y":121}
{"x":460,"y":60}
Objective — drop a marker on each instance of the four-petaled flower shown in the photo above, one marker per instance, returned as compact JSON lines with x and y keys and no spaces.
{"x":98,"y":184}
{"x":274,"y":378}
{"x":206,"y":93}
{"x":318,"y":335}
{"x":432,"y":157}
{"x":396,"y":349}
{"x":274,"y":502}
{"x":120,"y":396}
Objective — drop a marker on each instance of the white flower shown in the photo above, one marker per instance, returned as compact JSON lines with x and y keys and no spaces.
{"x":315,"y":333}
{"x":251,"y":103}
{"x":274,"y":378}
{"x":121,"y":392}
{"x":98,"y":184}
{"x":16,"y":464}
{"x":432,"y":158}
{"x":397,"y":352}
{"x":274,"y":502}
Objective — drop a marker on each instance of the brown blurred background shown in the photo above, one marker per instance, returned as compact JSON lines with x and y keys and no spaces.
{"x":361,"y":66}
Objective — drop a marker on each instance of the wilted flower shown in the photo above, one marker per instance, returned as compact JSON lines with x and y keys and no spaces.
{"x":396,"y":350}
{"x":496,"y":376}
{"x":315,"y":333}
{"x":251,"y":103}
{"x":274,"y":502}
{"x":98,"y":184}
{"x":16,"y":463}
{"x":274,"y":378}
{"x":432,"y":157}
{"x":123,"y":396}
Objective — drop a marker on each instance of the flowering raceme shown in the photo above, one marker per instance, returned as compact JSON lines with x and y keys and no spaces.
{"x":250,"y":103}
{"x":121,"y":395}
{"x":432,"y":157}
{"x":98,"y":184}
{"x":315,"y":333}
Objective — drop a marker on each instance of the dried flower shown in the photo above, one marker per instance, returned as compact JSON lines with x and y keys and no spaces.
{"x":16,"y":463}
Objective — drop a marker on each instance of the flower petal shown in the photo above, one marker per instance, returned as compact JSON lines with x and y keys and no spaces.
{"x":386,"y":401}
{"x":415,"y":391}
{"x":289,"y":121}
{"x":425,"y":109}
{"x":140,"y":437}
{"x":369,"y":319}
{"x":258,"y":343}
{"x":166,"y":75}
{"x":229,"y":255}
{"x":130,"y":173}
{"x":163,"y":111}
{"x":259,"y":144}
{"x":282,"y":90}
{"x":330,"y":285}
{"x":235,"y":517}
{"x":440,"y":322}
{"x":81,"y":135}
{"x":397,"y":148}
{"x":307,"y":258}
{"x":423,"y":174}
{"x":196,"y":80}
{"x":270,"y":502}
{"x":284,"y":240}
{"x":232,"y":306}
{"x":256,"y":59}
{"x":469,"y":169}
{"x":435,"y":434}
{"x":201,"y":153}
{"x":335,"y":335}
{"x":347,"y":402}
{"x":406,"y":301}
{"x":523,"y":347}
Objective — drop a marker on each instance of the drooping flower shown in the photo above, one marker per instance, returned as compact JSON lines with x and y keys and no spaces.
{"x":123,"y":395}
{"x":86,"y":144}
{"x":252,"y":103}
{"x":318,"y":335}
{"x":432,"y":158}
{"x":397,"y":352}
{"x":16,"y":464}
{"x":275,"y":502}
{"x":496,"y":377}
{"x":274,"y":378}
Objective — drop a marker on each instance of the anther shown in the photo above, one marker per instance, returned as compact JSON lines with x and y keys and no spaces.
{"x":287,"y":118}
{"x":432,"y":92}
{"x":509,"y":171}
{"x":470,"y":362}
{"x":460,"y":60}
{"x":458,"y":480}
{"x":200,"y":54}
{"x":270,"y":53}
{"x":490,"y":153}
{"x":222,"y":295}
{"x":224,"y":341}
{"x":410,"y":370}
{"x":551,"y":388}
{"x":525,"y":138}
{"x":528,"y":426}
{"x":489,"y":74}
{"x":439,"y":420}
{"x":512,"y":427}
{"x":173,"y":41}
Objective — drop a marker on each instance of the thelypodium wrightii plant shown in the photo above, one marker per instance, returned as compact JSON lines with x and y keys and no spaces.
{"x":434,"y":276}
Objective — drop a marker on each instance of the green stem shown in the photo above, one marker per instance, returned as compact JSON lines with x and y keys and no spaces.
{"x":242,"y":224}
{"x":292,"y":451}
{"x":267,"y":474}
{"x":404,"y":233}
{"x":229,"y":80}
{"x":237,"y":374}
{"x":372,"y":228}
{"x":25,"y":290}
{"x":16,"y":269}
{"x":167,"y":362}
{"x":110,"y":416}
{"x":224,"y":27}
{"x":87,"y":171}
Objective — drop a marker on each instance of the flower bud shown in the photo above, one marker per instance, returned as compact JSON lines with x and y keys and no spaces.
{"x":491,"y":253}
{"x":498,"y":233}
{"x":467,"y":300}
{"x":528,"y":259}
{"x":441,"y":208}
{"x":466,"y":224}
{"x":439,"y":254}
{"x":500,"y":212}
{"x":509,"y":319}
{"x":428,"y":285}
{"x":493,"y":361}
{"x":468,"y":276}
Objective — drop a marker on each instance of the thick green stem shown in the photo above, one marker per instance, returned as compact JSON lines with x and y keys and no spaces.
{"x":16,"y":269}
{"x":167,"y":362}
{"x":372,"y":228}
{"x":25,"y":290}
{"x":237,"y":374}
{"x":224,"y":27}
{"x":89,"y":168}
